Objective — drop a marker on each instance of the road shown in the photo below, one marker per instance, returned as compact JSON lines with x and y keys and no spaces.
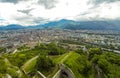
{"x":116,"y":51}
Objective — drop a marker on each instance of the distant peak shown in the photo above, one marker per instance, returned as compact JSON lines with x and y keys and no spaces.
{"x":14,"y":25}
{"x":65,"y":20}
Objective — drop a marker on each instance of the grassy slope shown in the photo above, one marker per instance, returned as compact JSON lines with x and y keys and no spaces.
{"x":73,"y":64}
{"x":30,"y":64}
{"x":13,"y":70}
{"x":57,"y":60}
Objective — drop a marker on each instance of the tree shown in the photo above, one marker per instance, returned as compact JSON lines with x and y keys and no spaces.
{"x":3,"y":66}
{"x":93,"y":51}
{"x":44,"y":63}
{"x":85,"y":67}
{"x":79,"y":51}
{"x":2,"y":49}
{"x":103,"y":64}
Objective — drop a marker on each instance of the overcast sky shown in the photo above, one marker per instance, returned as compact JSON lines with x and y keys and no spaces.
{"x":33,"y":12}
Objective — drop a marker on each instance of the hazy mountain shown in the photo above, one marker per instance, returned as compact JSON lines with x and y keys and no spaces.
{"x":73,"y":25}
{"x":58,"y":24}
{"x":88,"y":25}
{"x":93,"y":25}
{"x":11,"y":27}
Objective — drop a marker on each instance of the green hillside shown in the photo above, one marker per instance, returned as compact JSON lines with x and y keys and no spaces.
{"x":46,"y":58}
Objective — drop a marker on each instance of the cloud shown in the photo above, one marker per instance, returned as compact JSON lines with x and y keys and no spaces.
{"x":48,"y":4}
{"x":1,"y":19}
{"x":33,"y":12}
{"x":27,"y":19}
{"x":102,"y":1}
{"x":10,"y":1}
{"x":101,"y":10}
{"x":27,"y":11}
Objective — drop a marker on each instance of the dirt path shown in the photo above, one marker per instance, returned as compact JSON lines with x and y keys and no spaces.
{"x":98,"y":73}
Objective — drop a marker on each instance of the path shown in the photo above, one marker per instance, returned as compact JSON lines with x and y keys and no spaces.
{"x":116,"y":51}
{"x":14,"y":51}
{"x":66,"y":57}
{"x":63,"y":69}
{"x":98,"y":72}
{"x":57,"y":66}
{"x":28,"y":62}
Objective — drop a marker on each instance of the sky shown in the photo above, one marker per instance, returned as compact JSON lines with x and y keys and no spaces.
{"x":34,"y":12}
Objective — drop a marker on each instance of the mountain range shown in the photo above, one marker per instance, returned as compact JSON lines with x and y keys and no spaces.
{"x":70,"y":24}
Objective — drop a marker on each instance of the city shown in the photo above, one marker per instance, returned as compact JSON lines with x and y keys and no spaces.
{"x":17,"y":38}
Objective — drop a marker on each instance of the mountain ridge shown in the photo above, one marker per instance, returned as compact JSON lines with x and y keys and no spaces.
{"x":70,"y":24}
